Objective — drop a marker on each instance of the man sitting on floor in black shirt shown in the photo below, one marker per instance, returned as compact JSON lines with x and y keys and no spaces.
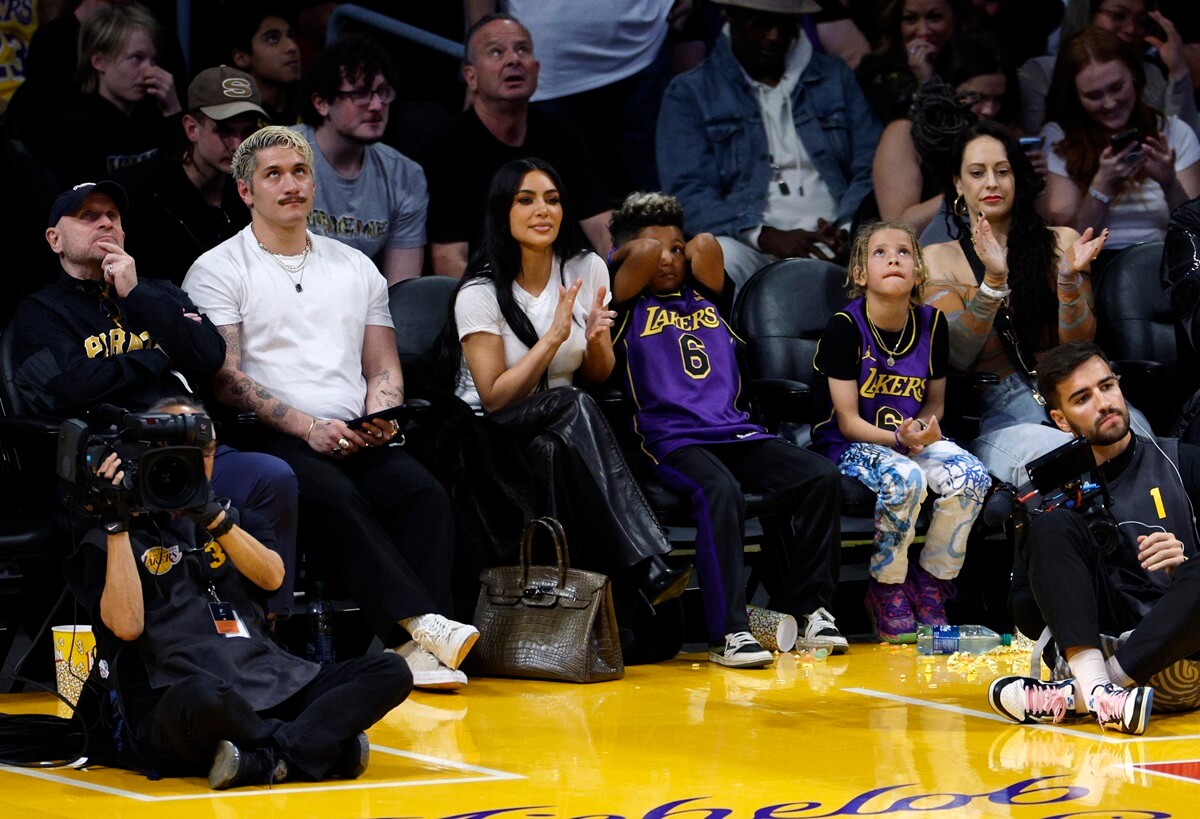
{"x":1144,"y":588}
{"x":176,"y":602}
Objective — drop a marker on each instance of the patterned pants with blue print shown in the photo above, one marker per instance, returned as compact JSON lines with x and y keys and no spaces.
{"x":901,"y":483}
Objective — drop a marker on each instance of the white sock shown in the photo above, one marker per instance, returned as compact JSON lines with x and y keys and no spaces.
{"x":1117,"y":674}
{"x":1087,"y":665}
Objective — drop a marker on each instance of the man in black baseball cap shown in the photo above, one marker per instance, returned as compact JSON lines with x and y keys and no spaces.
{"x":184,"y":202}
{"x":100,"y":334}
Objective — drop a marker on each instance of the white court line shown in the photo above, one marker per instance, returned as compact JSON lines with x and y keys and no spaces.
{"x":955,"y":709}
{"x":1144,"y":768}
{"x":488,"y":775}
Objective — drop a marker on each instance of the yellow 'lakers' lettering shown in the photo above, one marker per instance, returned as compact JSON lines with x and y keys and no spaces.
{"x":217,"y":553}
{"x":659,"y":319}
{"x":904,"y":386}
{"x":159,"y":560}
{"x":115,"y":342}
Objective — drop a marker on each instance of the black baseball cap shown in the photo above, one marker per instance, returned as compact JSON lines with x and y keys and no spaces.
{"x":72,"y":200}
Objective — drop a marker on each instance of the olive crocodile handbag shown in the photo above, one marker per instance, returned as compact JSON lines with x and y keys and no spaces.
{"x":547,"y":622}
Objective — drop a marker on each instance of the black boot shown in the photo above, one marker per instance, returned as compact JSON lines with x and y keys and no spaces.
{"x":234,"y":767}
{"x":658,"y":582}
{"x":356,"y":755}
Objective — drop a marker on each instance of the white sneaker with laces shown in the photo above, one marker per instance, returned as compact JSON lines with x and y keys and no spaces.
{"x":741,"y":650}
{"x":445,"y":639}
{"x":1125,"y":709}
{"x":820,"y":632}
{"x":428,"y":671}
{"x":1028,"y":700}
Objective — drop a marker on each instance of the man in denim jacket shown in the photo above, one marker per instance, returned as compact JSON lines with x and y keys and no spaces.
{"x":768,"y":145}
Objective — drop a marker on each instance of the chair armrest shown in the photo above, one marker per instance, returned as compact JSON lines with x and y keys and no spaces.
{"x":13,"y":428}
{"x":1140,"y":368}
{"x":782,"y":399}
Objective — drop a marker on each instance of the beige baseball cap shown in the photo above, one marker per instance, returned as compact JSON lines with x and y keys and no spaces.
{"x":223,"y":92}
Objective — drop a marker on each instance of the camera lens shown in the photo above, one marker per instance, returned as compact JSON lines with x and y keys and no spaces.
{"x":172,"y":478}
{"x":169,"y":478}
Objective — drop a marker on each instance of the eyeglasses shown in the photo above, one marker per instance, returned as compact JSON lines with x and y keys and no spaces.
{"x":361,"y":97}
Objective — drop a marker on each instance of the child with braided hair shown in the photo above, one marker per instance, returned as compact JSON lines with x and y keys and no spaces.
{"x":885,"y":359}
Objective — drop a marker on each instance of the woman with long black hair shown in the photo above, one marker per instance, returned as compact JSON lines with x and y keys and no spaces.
{"x":1011,"y":288}
{"x":531,"y":313}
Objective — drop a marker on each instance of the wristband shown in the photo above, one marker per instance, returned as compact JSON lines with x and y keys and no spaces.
{"x":222,"y":528}
{"x":116,"y":527}
{"x":899,"y":447}
{"x":1102,"y":198}
{"x":992,"y":292}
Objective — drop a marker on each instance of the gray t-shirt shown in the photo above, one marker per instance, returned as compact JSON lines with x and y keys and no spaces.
{"x":384,"y":206}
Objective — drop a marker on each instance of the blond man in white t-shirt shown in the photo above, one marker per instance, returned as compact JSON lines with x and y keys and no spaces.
{"x":309,"y":348}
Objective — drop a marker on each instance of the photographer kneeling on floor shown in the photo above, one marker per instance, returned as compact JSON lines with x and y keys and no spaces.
{"x":1137,"y":582}
{"x":176,"y":599}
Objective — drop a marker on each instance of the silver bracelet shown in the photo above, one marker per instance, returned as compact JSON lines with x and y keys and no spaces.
{"x":1102,"y":198}
{"x":992,"y":292}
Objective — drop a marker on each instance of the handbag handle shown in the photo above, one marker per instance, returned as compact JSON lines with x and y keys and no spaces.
{"x":560,"y":547}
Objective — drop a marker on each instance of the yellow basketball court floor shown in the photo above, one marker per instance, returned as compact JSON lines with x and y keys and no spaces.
{"x":876,"y":732}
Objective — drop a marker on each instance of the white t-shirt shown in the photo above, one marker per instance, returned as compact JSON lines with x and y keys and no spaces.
{"x":1140,"y":213}
{"x":478,"y":311}
{"x":305,"y":347}
{"x":589,"y":45}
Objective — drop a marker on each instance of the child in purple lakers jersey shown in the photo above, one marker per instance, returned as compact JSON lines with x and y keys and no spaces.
{"x":681,"y":372}
{"x":885,"y":357}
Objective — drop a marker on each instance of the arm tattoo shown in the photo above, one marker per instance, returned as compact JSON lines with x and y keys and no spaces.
{"x":242,"y":392}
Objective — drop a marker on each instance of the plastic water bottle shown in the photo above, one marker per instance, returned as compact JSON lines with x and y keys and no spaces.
{"x":967,"y":639}
{"x":320,"y":628}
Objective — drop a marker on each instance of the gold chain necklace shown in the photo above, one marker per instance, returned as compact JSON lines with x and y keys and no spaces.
{"x":891,"y":359}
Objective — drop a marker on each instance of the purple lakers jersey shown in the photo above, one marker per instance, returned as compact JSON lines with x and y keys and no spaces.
{"x":887,"y":392}
{"x":681,"y":371}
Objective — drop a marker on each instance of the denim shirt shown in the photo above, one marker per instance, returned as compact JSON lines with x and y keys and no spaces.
{"x":712,"y":147}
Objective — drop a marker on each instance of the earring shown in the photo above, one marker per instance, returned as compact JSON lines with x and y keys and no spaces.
{"x":960,"y":206}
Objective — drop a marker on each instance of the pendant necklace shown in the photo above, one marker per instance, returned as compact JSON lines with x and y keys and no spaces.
{"x":891,"y":354}
{"x":289,"y":269}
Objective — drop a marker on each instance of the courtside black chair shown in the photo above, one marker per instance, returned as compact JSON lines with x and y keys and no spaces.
{"x":33,"y":534}
{"x":781,"y":312}
{"x":420,"y":308}
{"x":1136,"y":327}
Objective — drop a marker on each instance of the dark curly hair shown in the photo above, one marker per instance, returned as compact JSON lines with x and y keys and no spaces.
{"x":642,"y":210}
{"x":1032,"y":249}
{"x":349,"y":59}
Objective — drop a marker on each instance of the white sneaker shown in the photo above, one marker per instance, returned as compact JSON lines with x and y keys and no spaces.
{"x":820,"y":632}
{"x":445,"y":639}
{"x":741,"y":650}
{"x":1125,"y":709}
{"x":428,"y":671}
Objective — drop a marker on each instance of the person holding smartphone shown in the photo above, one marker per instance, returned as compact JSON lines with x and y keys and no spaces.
{"x":1114,"y":161}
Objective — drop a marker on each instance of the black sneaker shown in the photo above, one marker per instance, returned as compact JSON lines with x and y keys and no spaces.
{"x":234,"y":767}
{"x":356,"y":755}
{"x":741,"y":650}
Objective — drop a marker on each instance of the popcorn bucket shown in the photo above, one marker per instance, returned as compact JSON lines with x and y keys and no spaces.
{"x":774,"y":630}
{"x":74,"y":653}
